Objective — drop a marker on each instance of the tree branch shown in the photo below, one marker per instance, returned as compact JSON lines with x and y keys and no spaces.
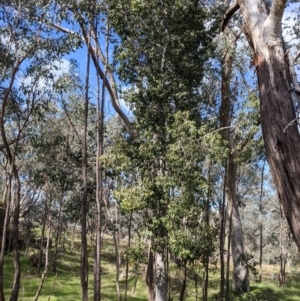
{"x":277,"y":8}
{"x":2,"y":146}
{"x":113,"y":96}
{"x":275,"y":16}
{"x":229,"y":13}
{"x":95,"y":54}
{"x":296,"y":57}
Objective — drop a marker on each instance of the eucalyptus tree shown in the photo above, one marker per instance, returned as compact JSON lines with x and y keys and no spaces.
{"x":238,"y":132}
{"x":279,"y":91}
{"x":24,"y":85}
{"x":85,"y":19}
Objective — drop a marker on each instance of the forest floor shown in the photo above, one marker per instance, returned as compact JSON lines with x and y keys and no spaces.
{"x":65,"y":284}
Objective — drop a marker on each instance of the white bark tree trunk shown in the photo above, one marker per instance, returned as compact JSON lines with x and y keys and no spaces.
{"x":161,"y":278}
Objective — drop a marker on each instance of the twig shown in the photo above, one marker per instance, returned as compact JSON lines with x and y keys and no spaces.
{"x":291,"y":123}
{"x":229,"y":13}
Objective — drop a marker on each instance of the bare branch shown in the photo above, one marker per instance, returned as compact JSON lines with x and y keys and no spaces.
{"x":110,"y":89}
{"x":293,"y":72}
{"x":291,"y":123}
{"x":229,"y":13}
{"x":296,"y":57}
{"x":95,"y":54}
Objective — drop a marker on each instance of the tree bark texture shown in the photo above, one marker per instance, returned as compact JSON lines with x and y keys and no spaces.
{"x":240,"y":268}
{"x":261,"y":223}
{"x":222,"y":204}
{"x":161,"y":278}
{"x":7,"y":198}
{"x":15,"y":234}
{"x":183,"y":286}
{"x":150,"y":273}
{"x":281,"y":135}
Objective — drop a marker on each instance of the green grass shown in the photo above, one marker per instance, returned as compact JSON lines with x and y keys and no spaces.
{"x":66,"y":286}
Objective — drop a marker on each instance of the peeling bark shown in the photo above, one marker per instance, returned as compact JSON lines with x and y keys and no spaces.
{"x":280,"y":133}
{"x":161,"y":278}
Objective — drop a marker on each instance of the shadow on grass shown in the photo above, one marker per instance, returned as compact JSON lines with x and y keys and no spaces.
{"x":272,"y":291}
{"x":267,"y":293}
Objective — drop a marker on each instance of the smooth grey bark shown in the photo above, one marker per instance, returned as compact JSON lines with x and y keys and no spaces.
{"x":161,"y":278}
{"x":281,"y":274}
{"x":276,"y":89}
{"x":261,"y":223}
{"x":240,"y":269}
{"x":222,"y":214}
{"x":7,"y":199}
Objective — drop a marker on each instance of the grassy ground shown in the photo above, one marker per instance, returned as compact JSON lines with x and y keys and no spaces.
{"x":65,"y":286}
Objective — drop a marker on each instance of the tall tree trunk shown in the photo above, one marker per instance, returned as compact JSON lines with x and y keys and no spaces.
{"x":222,"y":237}
{"x":7,"y":199}
{"x":240,"y":269}
{"x":160,"y":277}
{"x":261,"y":223}
{"x":227,"y":290}
{"x":57,"y":234}
{"x":280,"y":131}
{"x":183,"y":286}
{"x":281,"y":274}
{"x":127,"y":259}
{"x":44,"y":275}
{"x":15,"y":234}
{"x":150,"y":273}
{"x":207,"y":216}
{"x":46,"y":212}
{"x":99,"y":173}
{"x":116,"y":244}
{"x":84,"y":255}
{"x":282,"y":147}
